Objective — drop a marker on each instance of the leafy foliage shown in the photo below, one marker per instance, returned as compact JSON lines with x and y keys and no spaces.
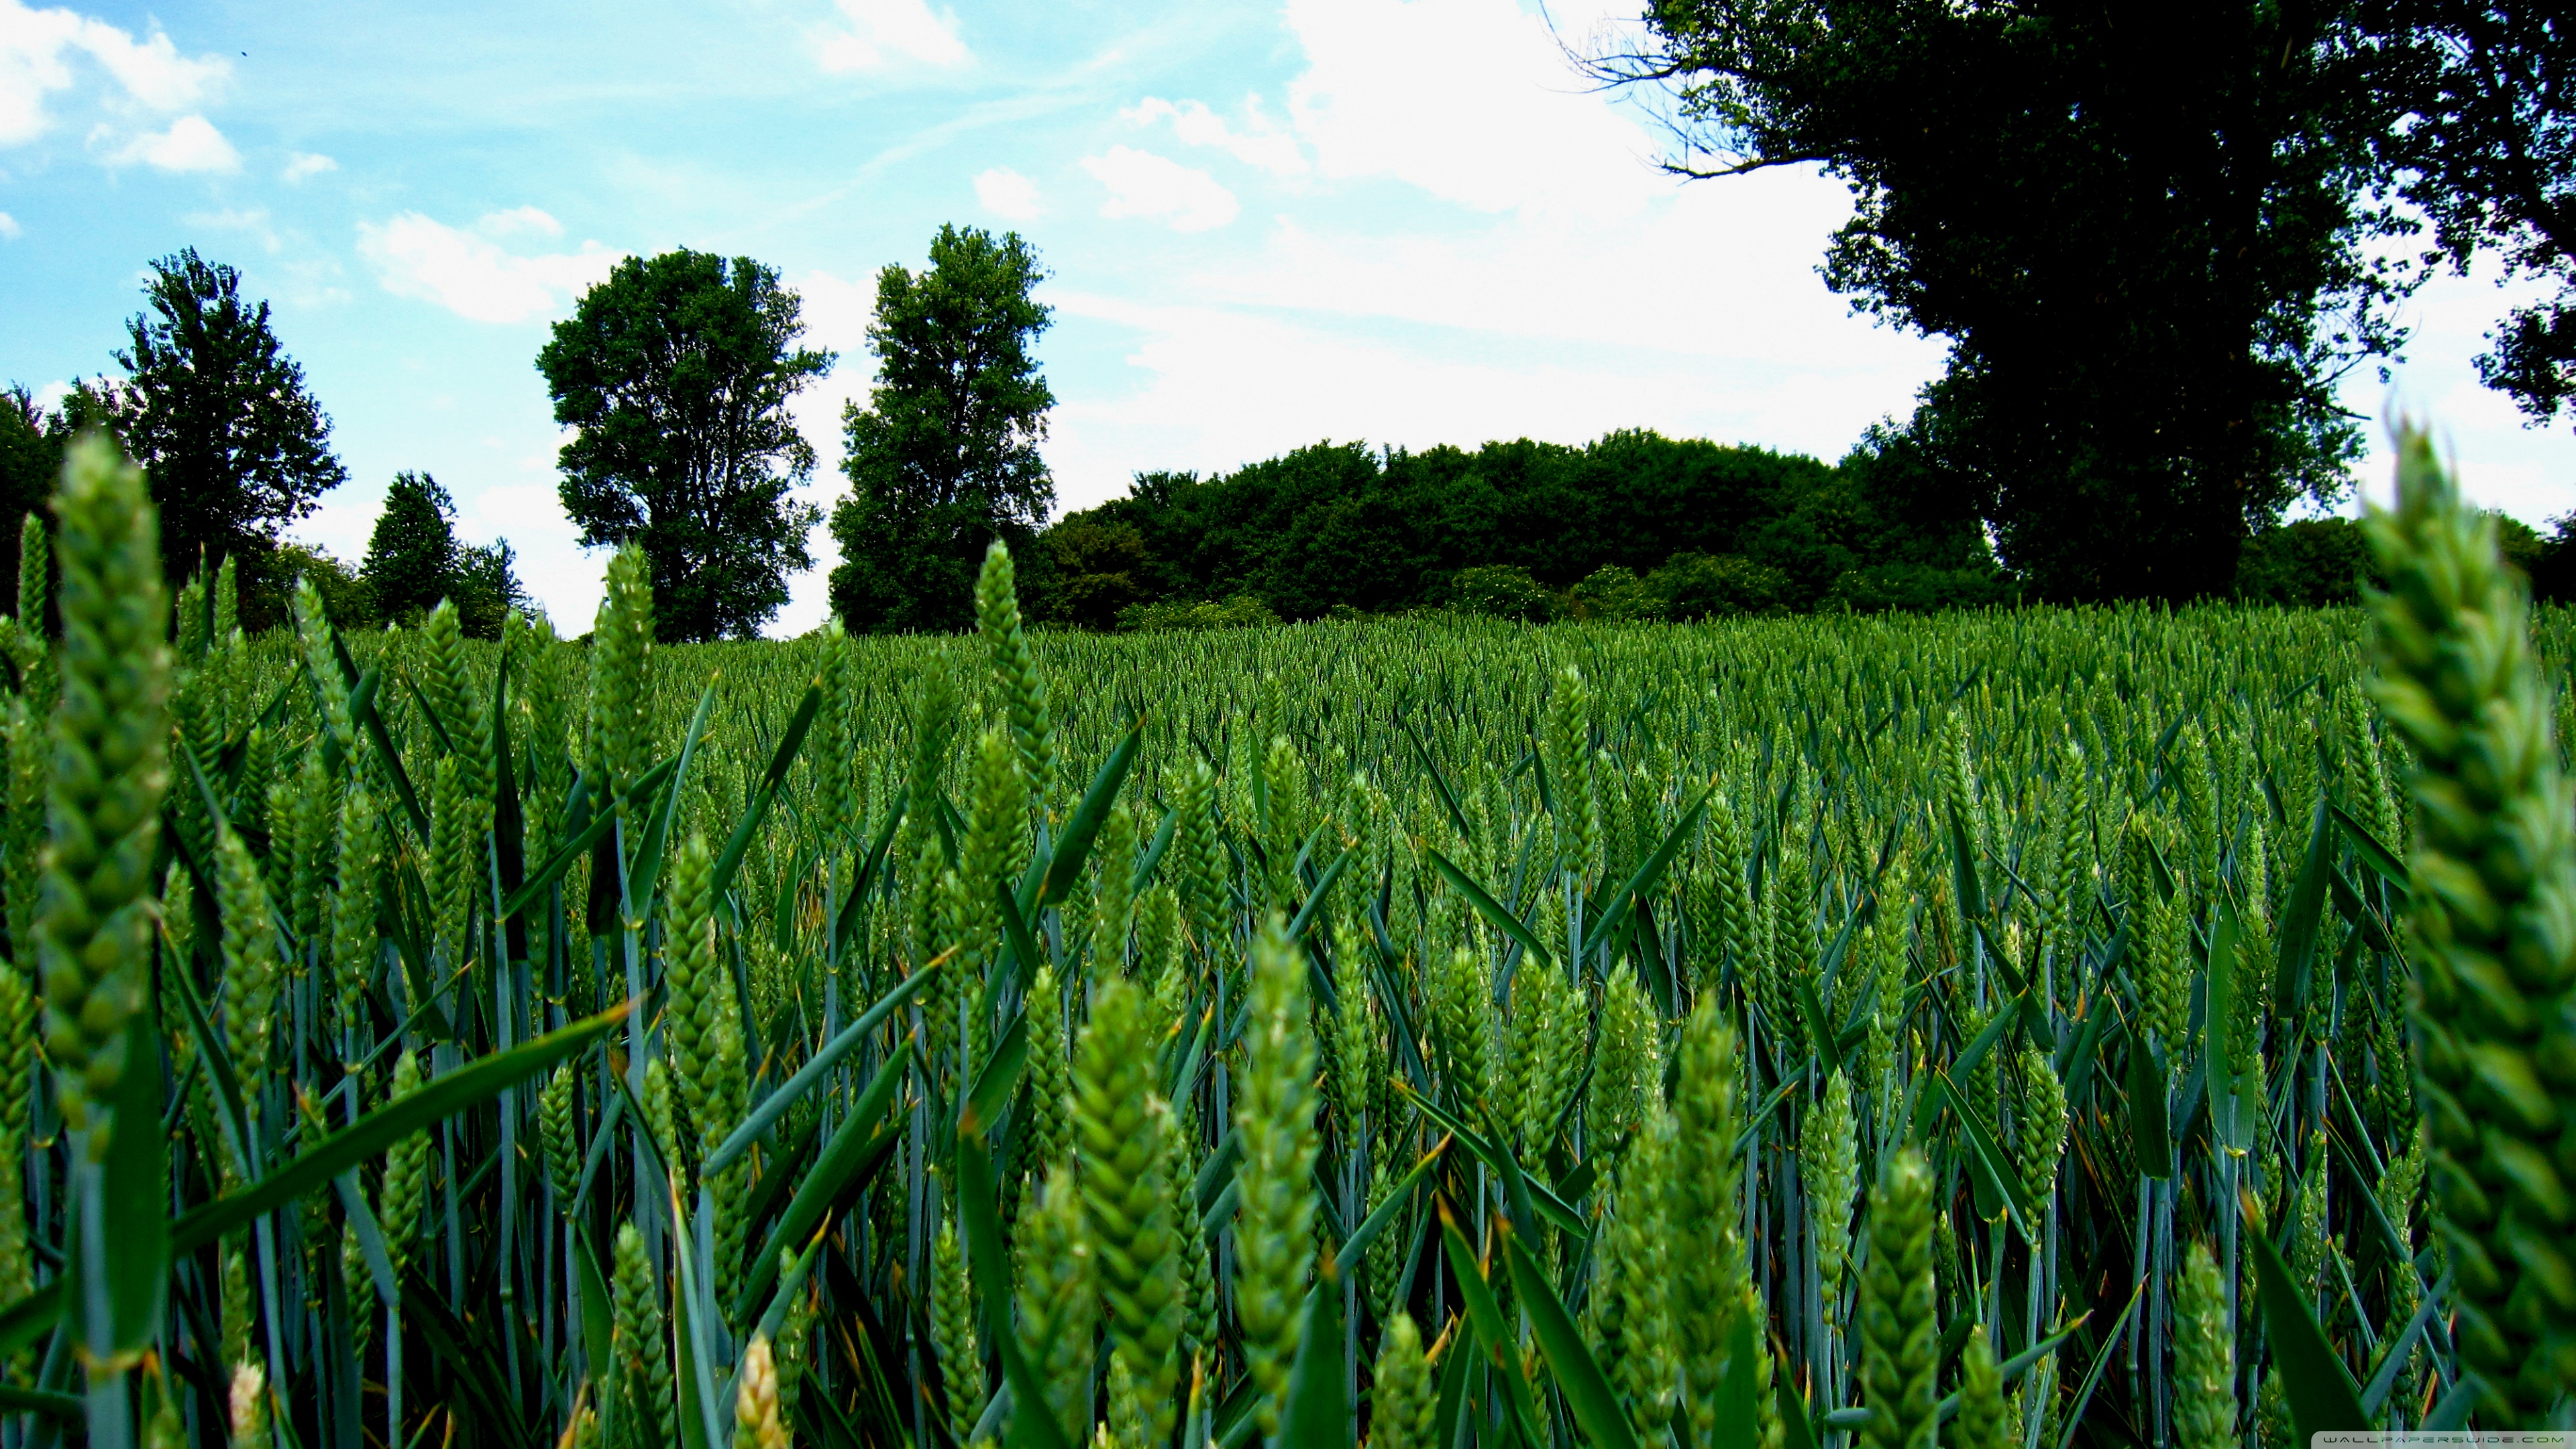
{"x":944,"y":458}
{"x":2142,"y":228}
{"x":2489,"y":156}
{"x":414,"y":562}
{"x":1337,"y":525}
{"x":676,"y":373}
{"x":217,"y":414}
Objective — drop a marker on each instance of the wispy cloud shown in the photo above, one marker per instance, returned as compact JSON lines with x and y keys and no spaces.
{"x":190,"y":143}
{"x":303,"y":165}
{"x":252,"y":221}
{"x":44,"y":51}
{"x":1008,"y":195}
{"x":890,"y":35}
{"x":470,"y":274}
{"x":9,"y":228}
{"x":1143,"y":184}
{"x":1262,"y":142}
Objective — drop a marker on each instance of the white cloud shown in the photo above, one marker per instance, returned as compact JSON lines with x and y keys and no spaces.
{"x":38,"y":46}
{"x":469,"y":274}
{"x":9,"y":228}
{"x":191,"y":143}
{"x":1143,"y":184}
{"x":1008,"y":195}
{"x":1469,"y":100}
{"x":303,"y":164}
{"x":2501,"y":462}
{"x":886,"y":35}
{"x":1262,"y":143}
{"x":253,"y":221}
{"x":518,"y":220}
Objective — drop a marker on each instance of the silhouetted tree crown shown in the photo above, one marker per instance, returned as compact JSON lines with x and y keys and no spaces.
{"x":676,"y":374}
{"x":217,"y":414}
{"x":944,"y":457}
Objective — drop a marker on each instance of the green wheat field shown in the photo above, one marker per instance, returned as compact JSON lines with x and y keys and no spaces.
{"x":2024,"y":1029}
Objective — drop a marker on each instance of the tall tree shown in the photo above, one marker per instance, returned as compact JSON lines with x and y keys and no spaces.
{"x":486,"y":587}
{"x":944,"y":459}
{"x":411,"y":554}
{"x":2140,"y":224}
{"x":31,"y":453}
{"x":676,"y":373}
{"x":413,"y":560}
{"x":217,"y":414}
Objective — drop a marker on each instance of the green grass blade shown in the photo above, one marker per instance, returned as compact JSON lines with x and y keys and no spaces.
{"x":757,"y":810}
{"x":1317,"y":1413}
{"x":2382,"y":861}
{"x":2321,"y":1392}
{"x":1357,"y":1245}
{"x":775,"y":1105}
{"x":1491,"y":1328}
{"x":644,"y":871}
{"x":1491,"y":909}
{"x":1578,"y":1375}
{"x":137,"y":1191}
{"x":844,"y":1158}
{"x":441,"y":1097}
{"x":585,"y":840}
{"x":979,"y":1213}
{"x":2299,"y":917}
{"x":1990,"y":1158}
{"x":1642,"y":882}
{"x":2093,"y":1375}
{"x":2227,"y":1059}
{"x":2150,"y":1136}
{"x":1073,"y":847}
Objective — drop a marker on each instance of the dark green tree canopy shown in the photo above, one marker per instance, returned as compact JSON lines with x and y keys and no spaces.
{"x":677,"y":372}
{"x":31,"y":454}
{"x":218,"y":416}
{"x":1501,"y":527}
{"x":414,"y":560}
{"x":2140,"y":225}
{"x":944,"y":458}
{"x":411,"y":555}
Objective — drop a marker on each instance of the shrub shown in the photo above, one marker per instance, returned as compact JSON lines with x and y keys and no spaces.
{"x":1614,"y":593}
{"x":1702,"y":586}
{"x":1502,"y":591}
{"x":1243,"y":611}
{"x":1915,"y":589}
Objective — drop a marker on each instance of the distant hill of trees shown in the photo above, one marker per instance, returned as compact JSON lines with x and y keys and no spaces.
{"x":1632,"y":525}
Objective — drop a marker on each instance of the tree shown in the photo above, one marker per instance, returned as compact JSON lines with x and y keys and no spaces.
{"x":1096,"y":564}
{"x":31,"y":453}
{"x":411,"y":554}
{"x":2489,"y":156}
{"x":346,"y":600}
{"x":1343,"y":525}
{"x":217,"y":414}
{"x":486,"y":587}
{"x":944,"y":458}
{"x":413,"y":561}
{"x":2140,"y":224}
{"x":676,"y":373}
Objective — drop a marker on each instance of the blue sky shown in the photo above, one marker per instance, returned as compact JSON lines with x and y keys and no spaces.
{"x":1400,"y":221}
